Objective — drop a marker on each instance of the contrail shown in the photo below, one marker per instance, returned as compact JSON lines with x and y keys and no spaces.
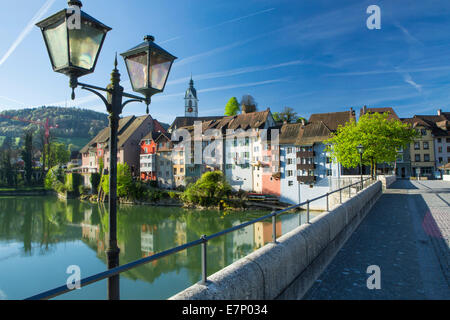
{"x":27,"y":29}
{"x":222,"y":23}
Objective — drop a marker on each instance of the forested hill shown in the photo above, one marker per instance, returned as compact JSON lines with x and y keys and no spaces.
{"x":75,"y":126}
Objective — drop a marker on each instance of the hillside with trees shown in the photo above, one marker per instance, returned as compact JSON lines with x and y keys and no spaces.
{"x":75,"y":126}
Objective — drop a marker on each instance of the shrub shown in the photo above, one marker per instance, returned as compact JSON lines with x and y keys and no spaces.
{"x":208,"y":190}
{"x":82,"y":190}
{"x":72,"y":182}
{"x":173,"y":195}
{"x":54,"y":175}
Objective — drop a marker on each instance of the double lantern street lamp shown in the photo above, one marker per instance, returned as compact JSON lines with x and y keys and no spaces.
{"x":360,"y":151}
{"x":73,"y":51}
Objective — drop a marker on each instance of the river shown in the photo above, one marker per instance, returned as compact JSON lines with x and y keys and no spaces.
{"x":41,"y":236}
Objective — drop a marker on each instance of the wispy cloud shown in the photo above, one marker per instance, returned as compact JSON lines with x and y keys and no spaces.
{"x":408,"y":79}
{"x":12,"y":100}
{"x":237,"y":71}
{"x":223,"y":23}
{"x":385,"y":71}
{"x":43,"y":10}
{"x":409,"y":38}
{"x":232,"y":86}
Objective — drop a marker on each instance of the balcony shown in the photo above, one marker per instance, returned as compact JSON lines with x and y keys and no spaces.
{"x":306,"y":166}
{"x":306,"y":154}
{"x":306,"y":179}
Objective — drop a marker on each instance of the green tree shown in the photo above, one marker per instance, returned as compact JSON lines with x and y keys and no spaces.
{"x":380,"y":137}
{"x":57,"y":154}
{"x":232,"y":107}
{"x":208,"y":190}
{"x":288,"y":115}
{"x":124,"y":180}
{"x":27,"y":156}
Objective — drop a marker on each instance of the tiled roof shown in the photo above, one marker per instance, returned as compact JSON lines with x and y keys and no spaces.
{"x":180,"y":122}
{"x":315,"y":132}
{"x":127,"y":126}
{"x":390,"y":111}
{"x":291,"y":133}
{"x":334,"y":119}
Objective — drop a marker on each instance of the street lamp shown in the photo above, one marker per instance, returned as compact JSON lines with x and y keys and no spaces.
{"x":360,"y":151}
{"x":74,"y":52}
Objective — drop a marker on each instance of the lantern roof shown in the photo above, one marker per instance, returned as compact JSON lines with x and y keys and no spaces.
{"x":64,"y":13}
{"x":147,"y":45}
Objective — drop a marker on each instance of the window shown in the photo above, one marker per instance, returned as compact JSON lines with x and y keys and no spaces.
{"x":440,"y":159}
{"x":440,"y":149}
{"x":175,"y":171}
{"x":289,"y":150}
{"x":417,"y":157}
{"x":328,"y":160}
{"x":425,"y":145}
{"x":439,"y":140}
{"x":247,"y":140}
{"x":290,"y":183}
{"x":289,"y":161}
{"x":290,"y":173}
{"x":416,"y":145}
{"x":448,"y":148}
{"x":181,"y":170}
{"x":448,"y":140}
{"x":329,"y":173}
{"x":426,"y":157}
{"x":423,"y":132}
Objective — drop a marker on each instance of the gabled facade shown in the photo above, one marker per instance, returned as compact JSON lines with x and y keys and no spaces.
{"x":307,"y":171}
{"x":130,"y":132}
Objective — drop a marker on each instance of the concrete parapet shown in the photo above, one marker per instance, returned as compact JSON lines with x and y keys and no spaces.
{"x":287,"y":269}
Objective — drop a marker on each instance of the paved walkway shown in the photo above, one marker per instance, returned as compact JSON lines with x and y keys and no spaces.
{"x":406,"y":234}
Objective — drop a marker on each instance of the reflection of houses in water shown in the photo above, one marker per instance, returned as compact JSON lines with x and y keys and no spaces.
{"x":242,"y":241}
{"x":92,"y":233}
{"x":165,"y":235}
{"x":147,"y":247}
{"x":263,"y":232}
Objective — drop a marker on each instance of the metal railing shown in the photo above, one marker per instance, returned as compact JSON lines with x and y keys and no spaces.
{"x":203,"y":241}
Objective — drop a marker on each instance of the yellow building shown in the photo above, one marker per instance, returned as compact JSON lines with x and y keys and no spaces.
{"x":422,"y":148}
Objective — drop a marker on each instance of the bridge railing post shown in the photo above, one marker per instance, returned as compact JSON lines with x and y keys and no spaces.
{"x":328,"y":205}
{"x":204,"y":259}
{"x":307,"y":211}
{"x":340,"y":196}
{"x":274,"y":228}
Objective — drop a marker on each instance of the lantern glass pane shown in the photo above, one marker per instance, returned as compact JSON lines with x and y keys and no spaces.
{"x":138,"y":71}
{"x":159,"y":70}
{"x":56,"y":38}
{"x":85,"y":45}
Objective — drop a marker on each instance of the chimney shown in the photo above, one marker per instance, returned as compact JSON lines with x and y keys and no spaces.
{"x":352,"y":111}
{"x":439,"y":112}
{"x":364,"y":109}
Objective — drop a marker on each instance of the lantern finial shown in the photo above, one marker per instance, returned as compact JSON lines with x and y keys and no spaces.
{"x":76,"y":3}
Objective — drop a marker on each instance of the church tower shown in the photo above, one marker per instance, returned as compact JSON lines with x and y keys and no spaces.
{"x":191,"y":101}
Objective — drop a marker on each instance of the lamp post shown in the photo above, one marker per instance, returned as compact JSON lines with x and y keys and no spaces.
{"x":360,"y":151}
{"x":74,"y":51}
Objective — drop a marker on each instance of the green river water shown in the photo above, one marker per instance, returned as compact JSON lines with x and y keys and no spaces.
{"x":41,"y":236}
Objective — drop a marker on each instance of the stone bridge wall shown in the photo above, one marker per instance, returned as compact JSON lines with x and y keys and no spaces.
{"x":287,"y":269}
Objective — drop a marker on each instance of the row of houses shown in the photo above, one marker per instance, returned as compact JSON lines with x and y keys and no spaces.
{"x":255,"y":153}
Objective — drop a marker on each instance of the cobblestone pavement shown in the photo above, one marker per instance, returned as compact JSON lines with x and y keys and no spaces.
{"x":407,"y":235}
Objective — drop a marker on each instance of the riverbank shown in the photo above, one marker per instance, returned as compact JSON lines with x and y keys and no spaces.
{"x":30,"y":191}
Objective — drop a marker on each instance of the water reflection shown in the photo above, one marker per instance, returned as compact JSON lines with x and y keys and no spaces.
{"x":45,"y":226}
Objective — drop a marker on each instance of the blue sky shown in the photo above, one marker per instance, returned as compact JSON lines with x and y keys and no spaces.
{"x":314,"y":56}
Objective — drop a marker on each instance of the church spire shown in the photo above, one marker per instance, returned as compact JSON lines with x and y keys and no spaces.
{"x":191,"y":100}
